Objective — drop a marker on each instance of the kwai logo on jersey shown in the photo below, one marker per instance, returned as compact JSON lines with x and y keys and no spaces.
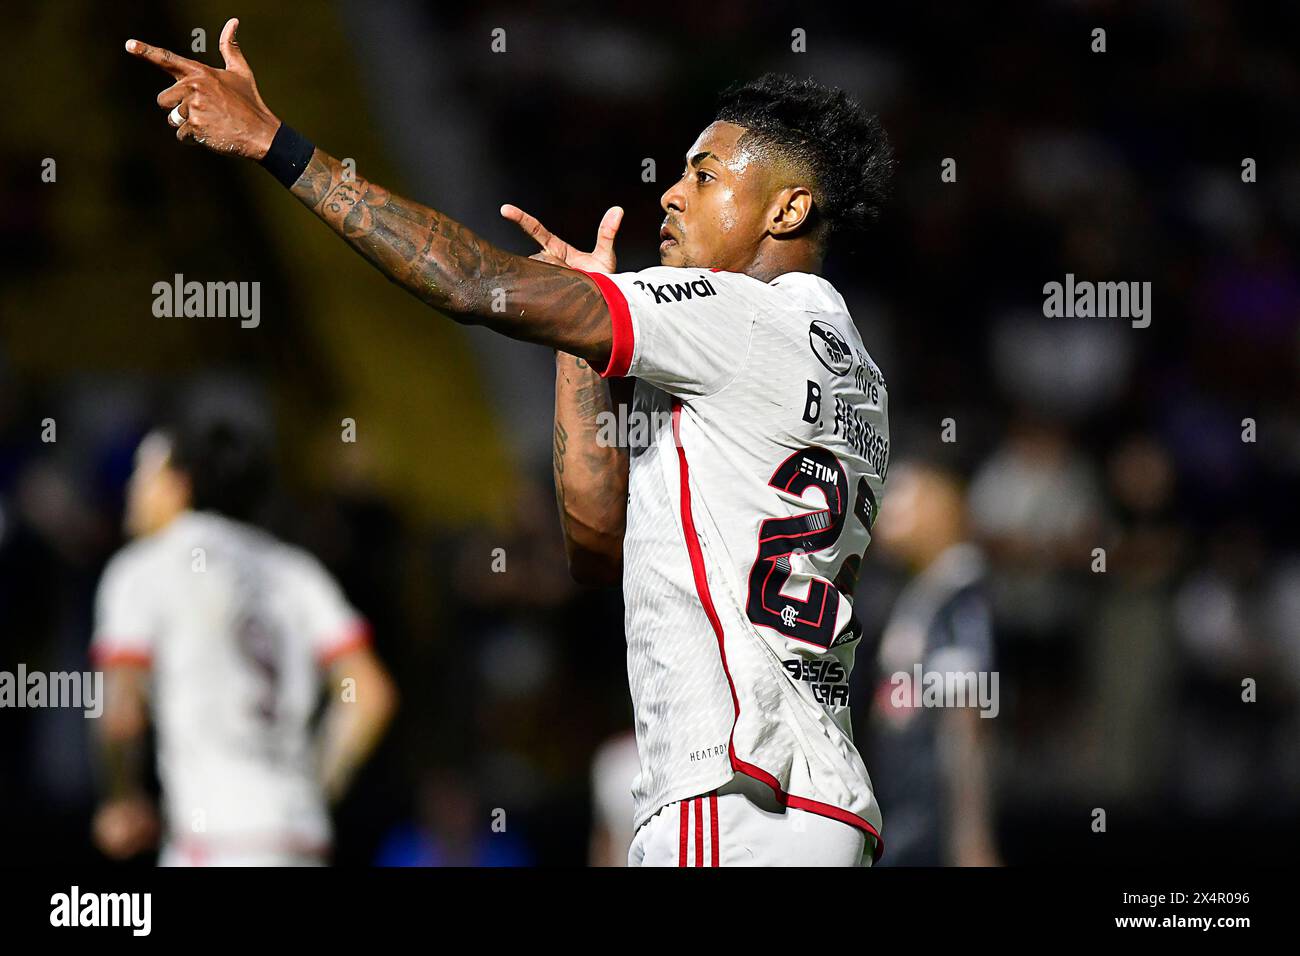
{"x":677,"y":291}
{"x":831,"y":350}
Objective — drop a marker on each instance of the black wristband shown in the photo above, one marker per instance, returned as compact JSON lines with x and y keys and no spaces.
{"x":288,"y":156}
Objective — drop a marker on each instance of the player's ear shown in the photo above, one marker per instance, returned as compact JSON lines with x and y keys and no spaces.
{"x":792,"y":211}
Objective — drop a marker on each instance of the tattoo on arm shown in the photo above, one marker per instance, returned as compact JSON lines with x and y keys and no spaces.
{"x":448,"y":267}
{"x":590,"y":474}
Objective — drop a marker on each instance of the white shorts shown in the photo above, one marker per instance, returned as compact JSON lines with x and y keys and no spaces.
{"x":728,"y":827}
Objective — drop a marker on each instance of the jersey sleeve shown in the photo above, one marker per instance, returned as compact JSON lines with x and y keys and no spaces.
{"x":685,"y":330}
{"x":333,"y":625}
{"x":125,"y":613}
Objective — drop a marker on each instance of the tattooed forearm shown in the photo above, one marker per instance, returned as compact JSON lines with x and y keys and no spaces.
{"x":591,"y":398}
{"x":561,"y":447}
{"x":590,"y":474}
{"x":448,"y":267}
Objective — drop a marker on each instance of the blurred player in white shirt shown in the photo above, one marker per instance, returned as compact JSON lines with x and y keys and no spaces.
{"x":225,"y":637}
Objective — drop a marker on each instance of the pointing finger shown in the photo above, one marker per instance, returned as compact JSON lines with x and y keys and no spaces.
{"x":531,"y":225}
{"x":162,"y":58}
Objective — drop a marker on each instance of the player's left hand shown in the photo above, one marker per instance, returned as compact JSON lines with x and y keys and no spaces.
{"x":558,"y":252}
{"x":125,"y":827}
{"x":218,"y":109}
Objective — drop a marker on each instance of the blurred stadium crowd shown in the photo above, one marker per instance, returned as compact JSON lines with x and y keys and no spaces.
{"x":1119,"y":689}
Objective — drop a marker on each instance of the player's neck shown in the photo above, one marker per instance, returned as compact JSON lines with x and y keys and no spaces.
{"x":773,"y":259}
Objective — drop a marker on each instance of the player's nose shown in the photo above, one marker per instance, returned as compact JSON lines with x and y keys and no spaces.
{"x":673,"y":199}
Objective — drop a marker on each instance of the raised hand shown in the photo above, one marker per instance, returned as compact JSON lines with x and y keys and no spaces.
{"x":558,"y":252}
{"x":218,"y":109}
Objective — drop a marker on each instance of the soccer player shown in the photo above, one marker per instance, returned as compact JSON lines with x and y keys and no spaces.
{"x":934,"y":765}
{"x":227,"y":635}
{"x":739,"y":525}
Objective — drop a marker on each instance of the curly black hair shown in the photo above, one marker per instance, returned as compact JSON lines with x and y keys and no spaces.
{"x":843,"y":147}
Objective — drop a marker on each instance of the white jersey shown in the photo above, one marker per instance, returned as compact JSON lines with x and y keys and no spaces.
{"x":749,"y":508}
{"x":235,"y":626}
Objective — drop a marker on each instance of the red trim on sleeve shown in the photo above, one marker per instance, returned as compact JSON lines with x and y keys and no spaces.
{"x":356,"y":636}
{"x":109,"y":656}
{"x":620,"y":353}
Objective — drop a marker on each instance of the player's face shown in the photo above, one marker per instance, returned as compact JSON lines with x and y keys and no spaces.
{"x":156,"y":493}
{"x":716,"y":213}
{"x":921,"y":515}
{"x":901,"y":522}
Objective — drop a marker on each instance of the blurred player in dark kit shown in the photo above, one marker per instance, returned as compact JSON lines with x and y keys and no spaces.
{"x":933,"y":763}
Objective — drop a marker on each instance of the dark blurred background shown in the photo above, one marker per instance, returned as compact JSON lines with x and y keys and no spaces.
{"x":1119,"y":689}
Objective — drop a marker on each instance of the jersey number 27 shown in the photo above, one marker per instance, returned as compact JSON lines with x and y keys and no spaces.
{"x":811,"y":619}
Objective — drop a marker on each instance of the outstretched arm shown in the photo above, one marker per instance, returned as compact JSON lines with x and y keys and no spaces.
{"x":431,"y":255}
{"x":453,"y":270}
